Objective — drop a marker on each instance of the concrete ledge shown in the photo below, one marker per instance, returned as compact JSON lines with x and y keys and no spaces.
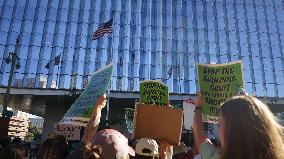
{"x":113,"y":94}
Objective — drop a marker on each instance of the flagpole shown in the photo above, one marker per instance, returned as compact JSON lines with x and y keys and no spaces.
{"x":60,"y":60}
{"x":111,"y":56}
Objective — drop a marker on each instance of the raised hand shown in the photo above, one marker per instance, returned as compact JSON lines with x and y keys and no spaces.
{"x":199,"y":101}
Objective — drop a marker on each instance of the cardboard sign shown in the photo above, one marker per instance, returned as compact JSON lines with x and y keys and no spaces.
{"x":70,"y":132}
{"x":129,"y":115}
{"x":154,"y":92}
{"x":217,"y":83}
{"x":188,"y":109}
{"x":81,"y":111}
{"x":151,"y":121}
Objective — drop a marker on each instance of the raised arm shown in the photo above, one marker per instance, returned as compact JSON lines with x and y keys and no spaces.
{"x":198,"y":130}
{"x":94,"y":122}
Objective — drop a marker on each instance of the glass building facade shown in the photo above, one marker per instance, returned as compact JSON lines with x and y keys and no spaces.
{"x":151,"y":40}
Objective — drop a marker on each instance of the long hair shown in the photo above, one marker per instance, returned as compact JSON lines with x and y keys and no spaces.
{"x":15,"y":151}
{"x":54,"y":148}
{"x":251,"y":131}
{"x":87,"y":152}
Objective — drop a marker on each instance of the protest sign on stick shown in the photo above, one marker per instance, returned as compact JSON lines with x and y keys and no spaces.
{"x":217,"y":83}
{"x":154,"y":92}
{"x":81,"y":111}
{"x":70,"y":132}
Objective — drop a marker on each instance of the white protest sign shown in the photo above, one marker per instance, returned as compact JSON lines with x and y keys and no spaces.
{"x":188,"y":109}
{"x":70,"y":132}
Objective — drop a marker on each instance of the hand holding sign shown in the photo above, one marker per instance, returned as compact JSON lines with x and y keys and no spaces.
{"x":101,"y":102}
{"x":199,"y":101}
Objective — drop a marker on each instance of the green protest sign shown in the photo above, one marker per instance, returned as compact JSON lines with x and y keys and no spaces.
{"x":154,"y":92}
{"x":81,"y":111}
{"x":217,"y":83}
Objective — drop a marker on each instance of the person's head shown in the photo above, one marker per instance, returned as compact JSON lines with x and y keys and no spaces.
{"x":53,"y":148}
{"x":15,"y":151}
{"x":113,"y":144}
{"x":146,"y":148}
{"x":248,"y":129}
{"x":87,"y":152}
{"x":16,"y":140}
{"x":5,"y":141}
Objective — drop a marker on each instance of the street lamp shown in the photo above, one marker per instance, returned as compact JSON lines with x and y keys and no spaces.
{"x":12,"y":57}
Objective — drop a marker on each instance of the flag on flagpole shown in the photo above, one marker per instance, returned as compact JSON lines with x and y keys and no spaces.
{"x":56,"y":62}
{"x":170,"y":72}
{"x":104,"y":28}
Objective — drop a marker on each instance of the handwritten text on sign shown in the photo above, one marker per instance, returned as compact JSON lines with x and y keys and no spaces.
{"x":154,"y":92}
{"x":217,"y":83}
{"x":80,"y":112}
{"x":70,"y":132}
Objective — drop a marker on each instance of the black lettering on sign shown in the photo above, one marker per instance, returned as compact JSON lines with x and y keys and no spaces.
{"x":216,"y":71}
{"x":224,"y":88}
{"x":214,"y":102}
{"x":213,"y":110}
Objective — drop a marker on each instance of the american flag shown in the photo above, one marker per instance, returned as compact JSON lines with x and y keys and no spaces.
{"x":104,"y":28}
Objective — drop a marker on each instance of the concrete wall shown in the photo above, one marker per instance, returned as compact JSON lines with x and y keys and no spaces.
{"x":53,"y":114}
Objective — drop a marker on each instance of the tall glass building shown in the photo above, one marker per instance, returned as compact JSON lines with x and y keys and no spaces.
{"x":151,"y":39}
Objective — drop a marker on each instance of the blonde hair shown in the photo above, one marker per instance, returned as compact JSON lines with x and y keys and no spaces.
{"x":251,"y":130}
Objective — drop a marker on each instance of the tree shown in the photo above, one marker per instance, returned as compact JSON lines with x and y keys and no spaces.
{"x":32,"y":133}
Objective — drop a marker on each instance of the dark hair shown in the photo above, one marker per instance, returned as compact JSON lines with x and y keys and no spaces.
{"x":15,"y":151}
{"x":250,"y":130}
{"x":5,"y":141}
{"x":16,"y":140}
{"x":54,"y":148}
{"x":87,"y":152}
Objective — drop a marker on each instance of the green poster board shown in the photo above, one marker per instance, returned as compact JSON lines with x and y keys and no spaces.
{"x":154,"y":92}
{"x":217,"y":83}
{"x":81,"y":111}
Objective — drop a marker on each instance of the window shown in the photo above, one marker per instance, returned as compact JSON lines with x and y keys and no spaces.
{"x":21,"y":3}
{"x":39,"y":27}
{"x":28,"y":26}
{"x":16,"y":25}
{"x":41,"y":14}
{"x":50,"y":27}
{"x":74,"y":15}
{"x":46,"y":53}
{"x":5,"y":25}
{"x":23,"y":52}
{"x":12,"y":38}
{"x":32,"y":4}
{"x":30,"y":13}
{"x":8,"y":11}
{"x":72,"y":28}
{"x":25,"y":38}
{"x":59,"y":40}
{"x":34,"y":52}
{"x":54,"y":4}
{"x":3,"y":38}
{"x":63,"y":15}
{"x":19,"y":13}
{"x":52,"y":14}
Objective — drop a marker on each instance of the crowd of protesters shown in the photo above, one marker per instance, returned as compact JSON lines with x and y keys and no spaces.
{"x":247,"y":129}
